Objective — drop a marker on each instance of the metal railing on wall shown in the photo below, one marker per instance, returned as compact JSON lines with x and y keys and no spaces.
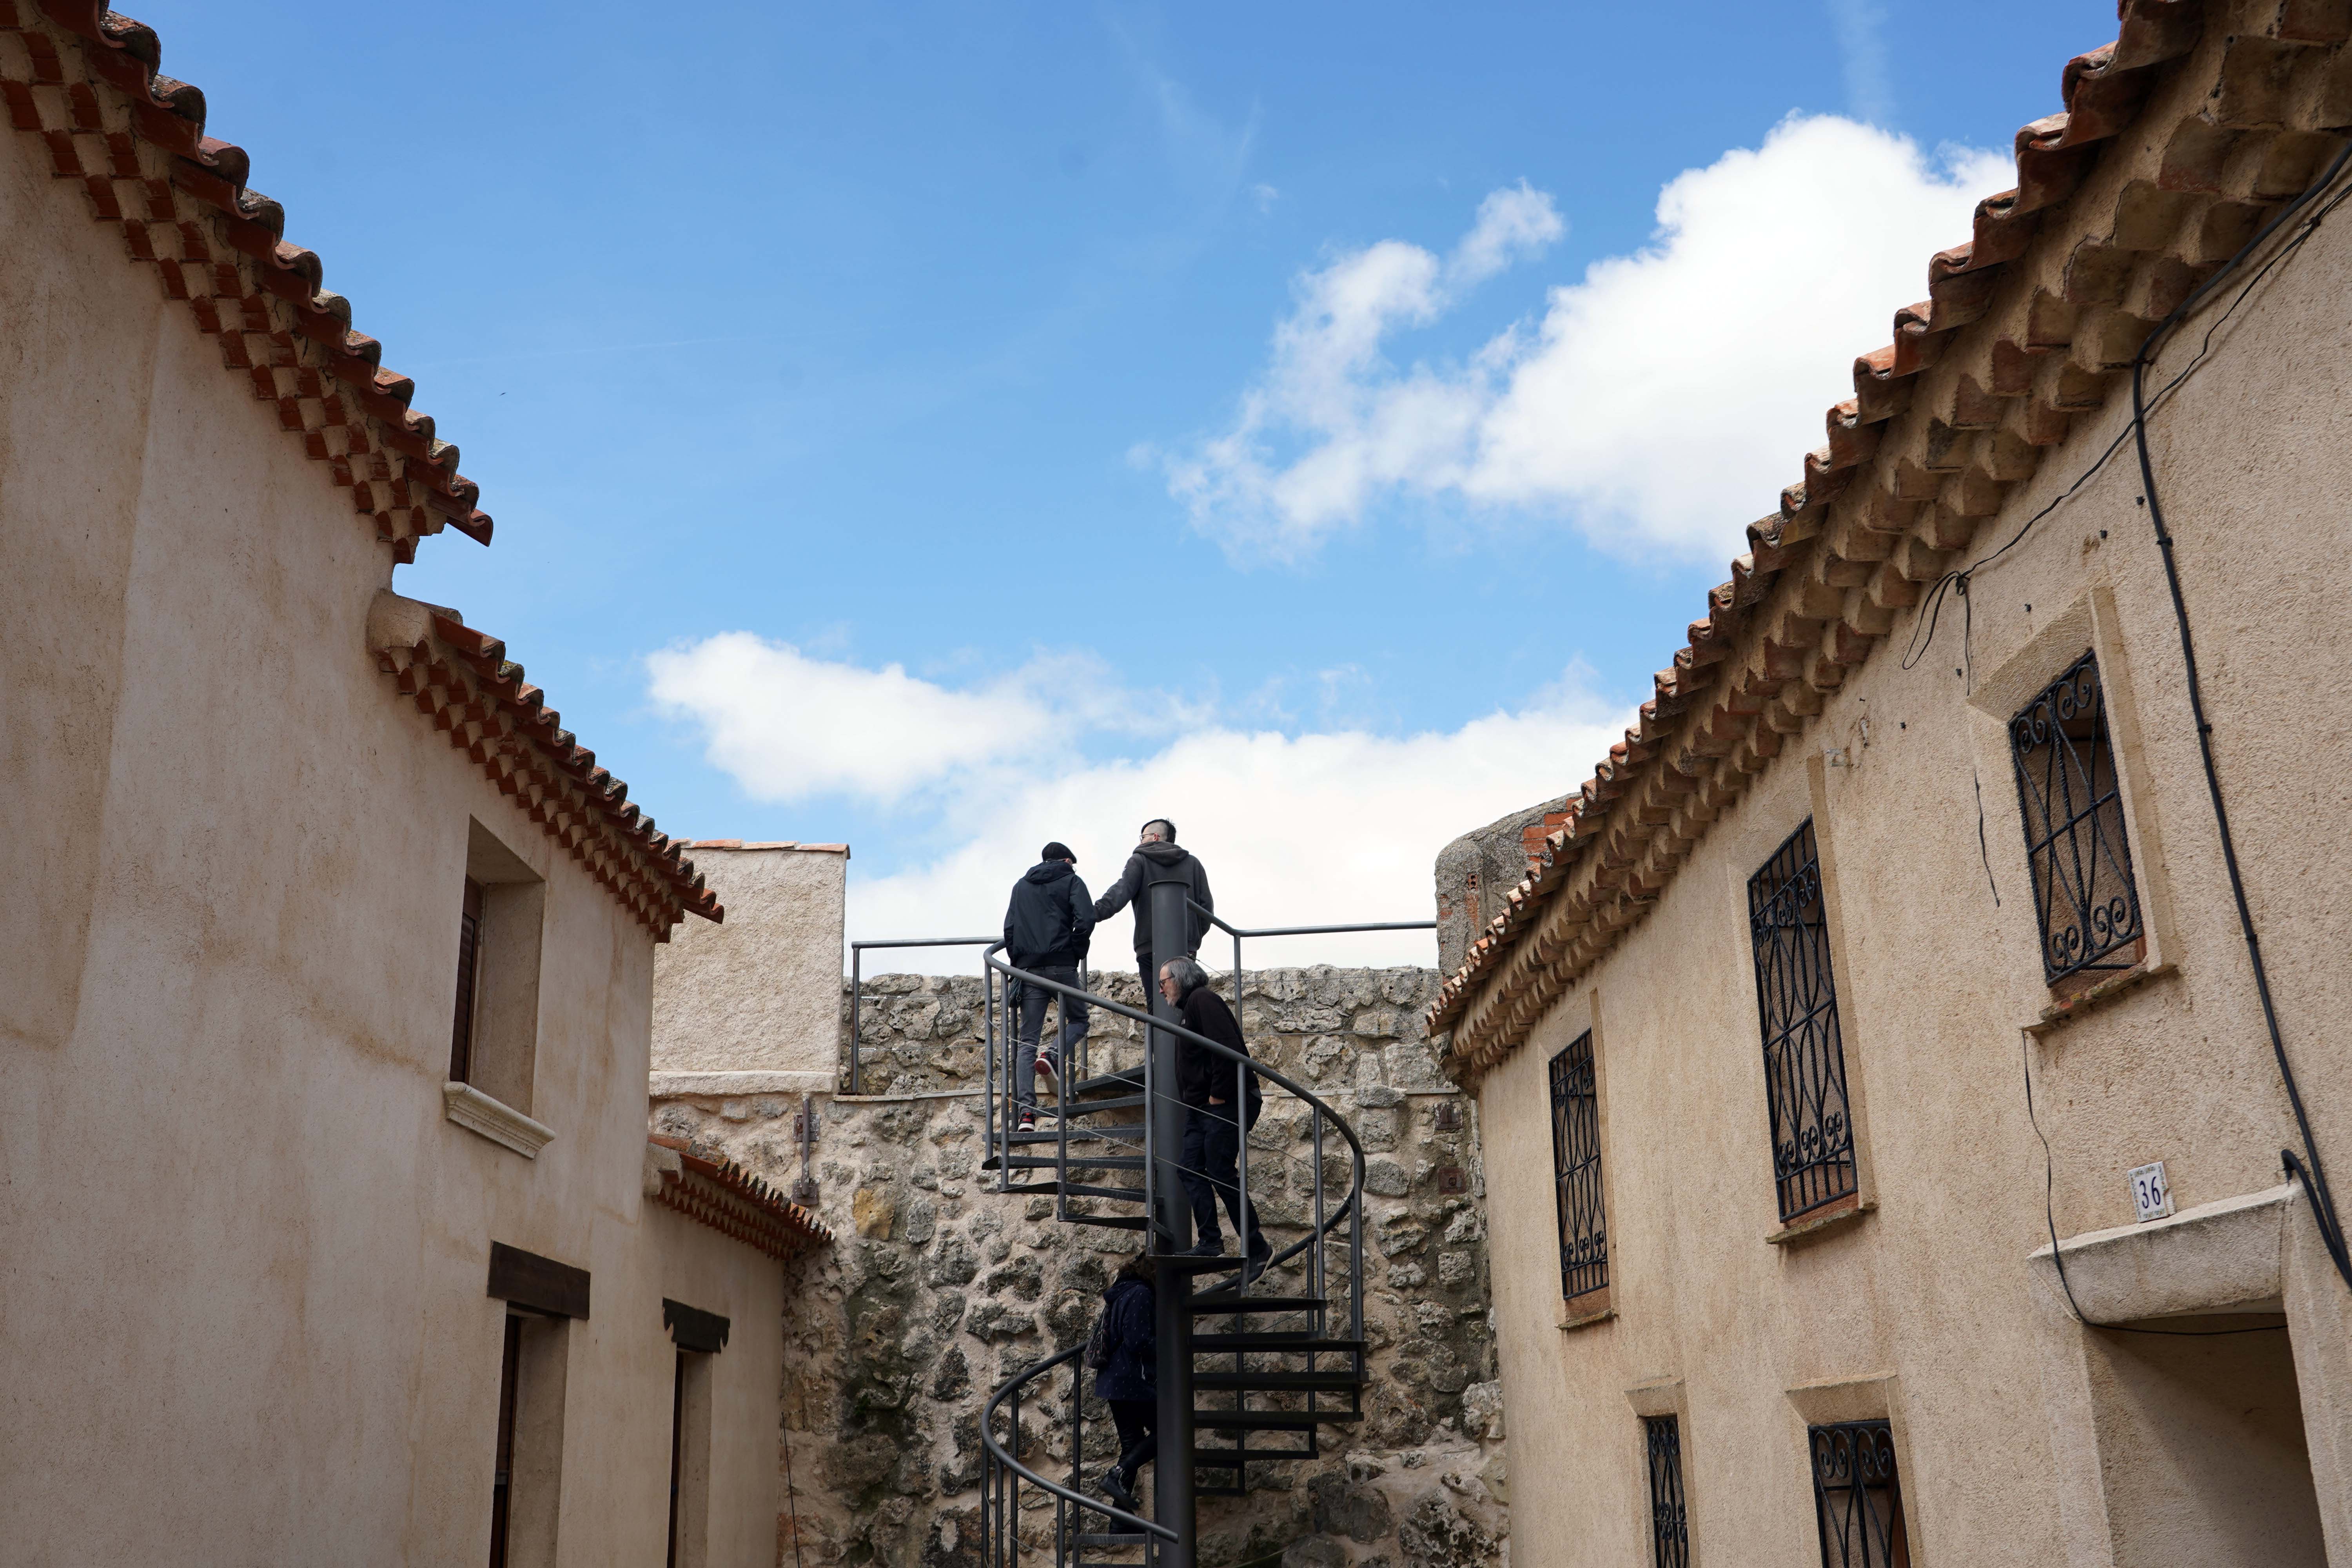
{"x":857,"y":989}
{"x":857,"y":966}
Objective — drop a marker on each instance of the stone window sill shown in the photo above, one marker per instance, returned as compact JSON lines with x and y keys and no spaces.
{"x":1808,"y":1226}
{"x":495,"y":1120}
{"x":2061,"y":1013}
{"x":1583,"y":1311}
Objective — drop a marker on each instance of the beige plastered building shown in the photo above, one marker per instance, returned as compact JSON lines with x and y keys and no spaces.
{"x":329,"y":1228}
{"x":1800,"y":1246}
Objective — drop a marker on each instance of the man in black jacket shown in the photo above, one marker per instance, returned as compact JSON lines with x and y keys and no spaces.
{"x":1156,"y":850}
{"x":1214,"y":1125}
{"x":1048,"y":925}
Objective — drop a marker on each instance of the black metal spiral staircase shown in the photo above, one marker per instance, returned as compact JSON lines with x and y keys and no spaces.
{"x":1258,"y":1367}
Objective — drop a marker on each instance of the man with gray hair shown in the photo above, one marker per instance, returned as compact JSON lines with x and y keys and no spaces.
{"x":1222,"y":1103}
{"x":1156,"y":850}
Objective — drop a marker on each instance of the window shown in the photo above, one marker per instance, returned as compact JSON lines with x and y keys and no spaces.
{"x":1576,"y":1166}
{"x":542,"y":1298}
{"x":502,"y":1475}
{"x":1804,"y":1056}
{"x":689,"y":1462}
{"x":469,"y":955}
{"x":1669,"y":1521}
{"x":699,"y":1336}
{"x":2074,"y":842}
{"x":494,"y":1037}
{"x":1857,"y":1500}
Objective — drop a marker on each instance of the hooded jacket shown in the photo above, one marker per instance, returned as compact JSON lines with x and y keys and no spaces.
{"x":1134,"y":887}
{"x":1049,"y":921}
{"x":1202,"y":1073}
{"x":1130,"y":1372}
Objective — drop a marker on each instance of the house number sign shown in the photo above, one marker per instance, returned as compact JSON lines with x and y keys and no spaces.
{"x":2151,"y":1193}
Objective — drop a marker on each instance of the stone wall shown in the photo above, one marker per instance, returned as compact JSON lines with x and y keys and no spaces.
{"x":1476,"y":872}
{"x":937,"y":1290}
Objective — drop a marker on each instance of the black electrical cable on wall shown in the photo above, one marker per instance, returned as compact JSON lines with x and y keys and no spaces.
{"x":2307,"y":1167}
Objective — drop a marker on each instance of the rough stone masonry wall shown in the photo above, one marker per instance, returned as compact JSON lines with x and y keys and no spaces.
{"x":937,"y":1290}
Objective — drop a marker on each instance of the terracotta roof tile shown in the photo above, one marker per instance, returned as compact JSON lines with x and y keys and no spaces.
{"x":84,"y":80}
{"x":2232,"y":106}
{"x":462,"y":680}
{"x":711,"y":1189}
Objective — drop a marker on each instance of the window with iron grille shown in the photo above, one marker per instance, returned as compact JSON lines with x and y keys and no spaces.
{"x":2074,"y":843}
{"x":1576,"y":1169}
{"x":469,"y":960}
{"x":1669,"y":1521}
{"x":1804,"y":1056}
{"x":1857,"y":1497}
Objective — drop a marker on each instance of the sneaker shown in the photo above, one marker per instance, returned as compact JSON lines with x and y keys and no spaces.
{"x":1045,"y":1073}
{"x":1118,"y":1488}
{"x":1028,"y":1122}
{"x":1254,"y":1267}
{"x":1207,"y":1246}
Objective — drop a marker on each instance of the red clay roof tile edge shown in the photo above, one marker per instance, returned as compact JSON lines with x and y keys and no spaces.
{"x":461,"y":678}
{"x":803,"y":1229}
{"x":406,"y":480}
{"x":1833,"y":624}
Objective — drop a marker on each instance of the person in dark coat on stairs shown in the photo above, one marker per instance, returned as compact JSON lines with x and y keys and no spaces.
{"x":1048,"y":925}
{"x":1156,"y":850}
{"x":1223,"y":1101}
{"x":1128,"y":1379}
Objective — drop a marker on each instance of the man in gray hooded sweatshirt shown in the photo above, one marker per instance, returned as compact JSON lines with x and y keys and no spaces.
{"x":1156,"y":851}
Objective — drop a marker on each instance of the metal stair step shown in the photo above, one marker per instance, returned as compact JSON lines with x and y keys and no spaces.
{"x":1299,"y":1343}
{"x":1109,"y":1221}
{"x":1271,"y":1420}
{"x":1097,"y":1162}
{"x":1123,"y":1082}
{"x":1234,"y":1459}
{"x":1077,"y":1190}
{"x":1341,"y":1380}
{"x":1088,"y":1107}
{"x":1111,"y":1132}
{"x":1222,"y":1303}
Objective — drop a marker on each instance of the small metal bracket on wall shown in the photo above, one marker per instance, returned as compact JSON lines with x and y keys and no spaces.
{"x":805,"y":1122}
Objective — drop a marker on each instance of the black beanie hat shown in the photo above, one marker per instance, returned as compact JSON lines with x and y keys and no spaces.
{"x":1057,"y":850}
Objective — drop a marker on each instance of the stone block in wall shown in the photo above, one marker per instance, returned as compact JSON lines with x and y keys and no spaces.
{"x":752,"y":1004}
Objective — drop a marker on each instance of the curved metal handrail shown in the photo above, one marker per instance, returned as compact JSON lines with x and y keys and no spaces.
{"x":1355,"y":1148}
{"x":1001,"y":1495}
{"x":996,"y":1450}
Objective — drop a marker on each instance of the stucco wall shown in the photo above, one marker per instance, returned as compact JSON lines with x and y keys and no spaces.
{"x":759,"y":996}
{"x":245,"y":1317}
{"x":1935,"y":984}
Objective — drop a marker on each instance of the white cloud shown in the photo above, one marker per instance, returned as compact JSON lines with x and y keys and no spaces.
{"x":1326,"y":827}
{"x":789,"y":727}
{"x":1861,"y":27}
{"x":1659,"y":405}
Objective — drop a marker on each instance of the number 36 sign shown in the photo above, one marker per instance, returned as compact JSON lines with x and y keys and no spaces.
{"x":2151,"y":1193}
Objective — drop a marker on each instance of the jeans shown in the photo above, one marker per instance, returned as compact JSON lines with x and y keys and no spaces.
{"x":1137,"y":1441}
{"x":1033,"y":1025}
{"x":1209,"y":1169}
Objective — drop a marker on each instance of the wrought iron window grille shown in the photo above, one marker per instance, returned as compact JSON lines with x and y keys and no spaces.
{"x":1669,"y":1520}
{"x":1804,"y":1053}
{"x":1576,"y":1169}
{"x":1857,"y":1496}
{"x":2072,"y":804}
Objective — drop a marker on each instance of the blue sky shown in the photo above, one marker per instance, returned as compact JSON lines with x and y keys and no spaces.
{"x":1178,"y":397}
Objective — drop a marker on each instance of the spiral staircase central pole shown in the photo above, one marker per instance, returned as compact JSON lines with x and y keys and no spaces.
{"x":1171,"y":1472}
